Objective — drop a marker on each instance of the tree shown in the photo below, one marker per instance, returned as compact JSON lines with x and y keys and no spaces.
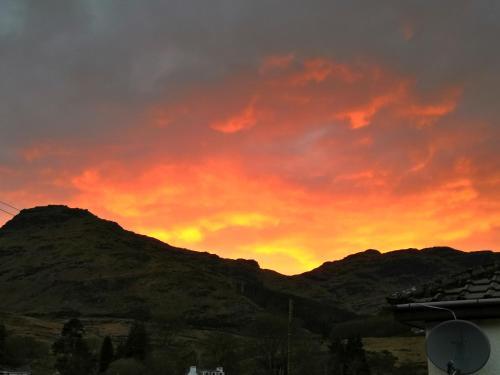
{"x":356,"y":357}
{"x":220,"y":349}
{"x":307,"y":355}
{"x":337,"y":356}
{"x":382,"y":363}
{"x":126,"y":366}
{"x":73,"y":328}
{"x":107,"y":354}
{"x":348,"y":357}
{"x":137,"y":344}
{"x":165,"y":363}
{"x":168,"y":328}
{"x":270,"y":349}
{"x":19,"y":350}
{"x":73,"y":356}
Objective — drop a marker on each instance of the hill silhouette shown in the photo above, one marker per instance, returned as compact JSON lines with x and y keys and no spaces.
{"x":57,"y":261}
{"x":362,"y":281}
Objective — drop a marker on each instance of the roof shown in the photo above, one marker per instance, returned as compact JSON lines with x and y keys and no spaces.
{"x":17,"y":371}
{"x":474,"y":293}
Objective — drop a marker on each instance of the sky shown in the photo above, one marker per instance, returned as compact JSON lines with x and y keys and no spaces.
{"x":289,"y":132}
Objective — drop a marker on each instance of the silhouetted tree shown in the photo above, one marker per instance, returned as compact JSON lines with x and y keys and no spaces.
{"x":73,"y":356}
{"x":337,"y":357}
{"x":137,"y":344}
{"x":348,"y":357}
{"x":270,"y":349}
{"x":107,"y":354}
{"x":73,"y":328}
{"x":220,"y":349}
{"x":307,"y":356}
{"x":382,"y":363}
{"x":127,"y":366}
{"x":355,"y":354}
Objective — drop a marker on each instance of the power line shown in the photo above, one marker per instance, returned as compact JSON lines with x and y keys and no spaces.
{"x":7,"y":212}
{"x":9,"y":205}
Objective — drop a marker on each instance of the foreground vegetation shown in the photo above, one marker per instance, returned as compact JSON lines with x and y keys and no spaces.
{"x":194,"y":308}
{"x":82,"y":347}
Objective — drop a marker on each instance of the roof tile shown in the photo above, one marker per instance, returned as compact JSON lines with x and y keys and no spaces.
{"x":479,"y":283}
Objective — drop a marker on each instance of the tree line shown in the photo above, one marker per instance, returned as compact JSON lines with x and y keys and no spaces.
{"x":261,"y":349}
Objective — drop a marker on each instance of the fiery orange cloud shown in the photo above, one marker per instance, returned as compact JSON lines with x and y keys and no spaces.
{"x":293,"y":163}
{"x":278,"y":223}
{"x":298,"y":93}
{"x":318,"y":69}
{"x":361,"y":117}
{"x":243,"y":120}
{"x":428,"y":113}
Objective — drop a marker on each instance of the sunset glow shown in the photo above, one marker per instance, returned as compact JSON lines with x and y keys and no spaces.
{"x":293,"y":156}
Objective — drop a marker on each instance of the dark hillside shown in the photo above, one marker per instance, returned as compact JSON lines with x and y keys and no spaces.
{"x":56,"y":261}
{"x":362,"y":281}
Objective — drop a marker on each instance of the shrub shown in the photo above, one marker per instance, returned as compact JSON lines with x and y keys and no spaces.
{"x":126,"y":366}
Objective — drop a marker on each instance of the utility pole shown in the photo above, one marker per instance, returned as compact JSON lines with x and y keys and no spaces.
{"x":289,"y":336}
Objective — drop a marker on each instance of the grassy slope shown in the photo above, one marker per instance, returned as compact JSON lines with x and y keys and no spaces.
{"x":405,"y":349}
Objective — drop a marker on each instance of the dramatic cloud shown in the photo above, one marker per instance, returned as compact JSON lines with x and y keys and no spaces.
{"x":284,"y":131}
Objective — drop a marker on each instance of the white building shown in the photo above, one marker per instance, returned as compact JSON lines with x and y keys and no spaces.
{"x":194,"y":371}
{"x":472,"y":296}
{"x":21,"y":371}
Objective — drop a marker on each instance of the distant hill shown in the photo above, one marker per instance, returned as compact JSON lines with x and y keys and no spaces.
{"x":362,"y":281}
{"x":57,"y":261}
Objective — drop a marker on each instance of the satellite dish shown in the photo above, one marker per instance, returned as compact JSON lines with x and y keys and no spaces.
{"x":458,"y":347}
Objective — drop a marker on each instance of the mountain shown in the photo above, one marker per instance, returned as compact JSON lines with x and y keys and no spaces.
{"x":57,"y":261}
{"x":364,"y":280}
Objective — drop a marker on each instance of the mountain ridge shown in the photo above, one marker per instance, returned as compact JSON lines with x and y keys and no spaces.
{"x":56,"y":260}
{"x":364,"y":280}
{"x":60,"y":213}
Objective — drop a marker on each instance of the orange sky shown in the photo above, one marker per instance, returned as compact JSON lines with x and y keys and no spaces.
{"x":292,"y":159}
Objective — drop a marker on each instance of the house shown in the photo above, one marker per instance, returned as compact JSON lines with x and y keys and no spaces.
{"x":194,"y":371}
{"x":16,"y":371}
{"x":473,"y":295}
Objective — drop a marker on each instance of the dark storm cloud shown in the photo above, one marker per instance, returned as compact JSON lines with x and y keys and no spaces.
{"x":83,"y":67}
